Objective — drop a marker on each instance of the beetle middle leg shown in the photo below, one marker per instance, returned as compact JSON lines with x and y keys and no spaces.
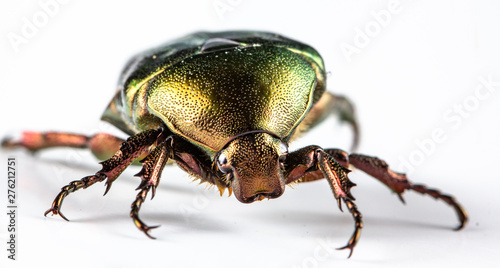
{"x":111,"y":168}
{"x":150,"y":174}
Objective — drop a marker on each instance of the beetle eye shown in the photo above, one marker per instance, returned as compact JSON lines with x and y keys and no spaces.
{"x":222,"y":160}
{"x":283,"y":148}
{"x":222,"y":163}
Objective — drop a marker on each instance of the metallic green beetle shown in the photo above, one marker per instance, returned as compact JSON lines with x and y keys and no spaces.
{"x":224,"y":106}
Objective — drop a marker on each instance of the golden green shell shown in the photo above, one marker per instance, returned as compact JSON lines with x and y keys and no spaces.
{"x":210,"y":87}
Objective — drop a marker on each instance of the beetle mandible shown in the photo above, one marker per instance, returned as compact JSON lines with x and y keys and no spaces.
{"x":224,"y":106}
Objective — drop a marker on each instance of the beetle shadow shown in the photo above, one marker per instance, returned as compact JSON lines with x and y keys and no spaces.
{"x":319,"y":224}
{"x":387,"y":222}
{"x":52,"y":160}
{"x":316,"y":224}
{"x":166,"y":221}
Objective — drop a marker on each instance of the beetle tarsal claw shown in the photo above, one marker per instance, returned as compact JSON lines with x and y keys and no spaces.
{"x":55,"y":211}
{"x":145,"y":229}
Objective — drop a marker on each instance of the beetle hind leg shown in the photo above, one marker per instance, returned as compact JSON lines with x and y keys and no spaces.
{"x":327,"y":105}
{"x":150,"y":174}
{"x":398,"y":182}
{"x":450,"y":200}
{"x":102,"y":145}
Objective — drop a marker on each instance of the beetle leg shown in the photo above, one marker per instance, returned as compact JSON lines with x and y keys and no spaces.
{"x":102,"y":145}
{"x":327,"y":105}
{"x":398,"y":182}
{"x":71,"y":187}
{"x":111,"y":168}
{"x":150,"y":174}
{"x":35,"y":141}
{"x":187,"y":156}
{"x":311,"y":163}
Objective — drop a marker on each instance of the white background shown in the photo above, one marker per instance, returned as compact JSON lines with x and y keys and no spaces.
{"x":405,"y":83}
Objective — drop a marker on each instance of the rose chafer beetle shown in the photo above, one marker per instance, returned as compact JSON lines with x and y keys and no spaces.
{"x":224,"y":106}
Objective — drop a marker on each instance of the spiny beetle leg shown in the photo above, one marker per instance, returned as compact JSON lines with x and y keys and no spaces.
{"x":450,"y":200}
{"x":150,"y":174}
{"x":129,"y":151}
{"x":398,"y":182}
{"x":312,"y":163}
{"x":111,"y":168}
{"x":71,"y":187}
{"x":136,"y":206}
{"x":336,"y":175}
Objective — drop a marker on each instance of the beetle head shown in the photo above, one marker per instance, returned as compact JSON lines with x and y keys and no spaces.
{"x":253,"y":164}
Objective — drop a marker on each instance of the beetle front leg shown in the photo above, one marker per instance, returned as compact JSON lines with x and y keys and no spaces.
{"x":111,"y":168}
{"x":311,"y":163}
{"x":71,"y":187}
{"x":150,"y":174}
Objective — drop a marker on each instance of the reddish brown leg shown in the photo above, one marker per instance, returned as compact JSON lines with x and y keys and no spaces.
{"x":35,"y":141}
{"x":102,"y":145}
{"x":111,"y":168}
{"x":398,"y":182}
{"x":150,"y":174}
{"x":311,"y":163}
{"x":308,"y":164}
